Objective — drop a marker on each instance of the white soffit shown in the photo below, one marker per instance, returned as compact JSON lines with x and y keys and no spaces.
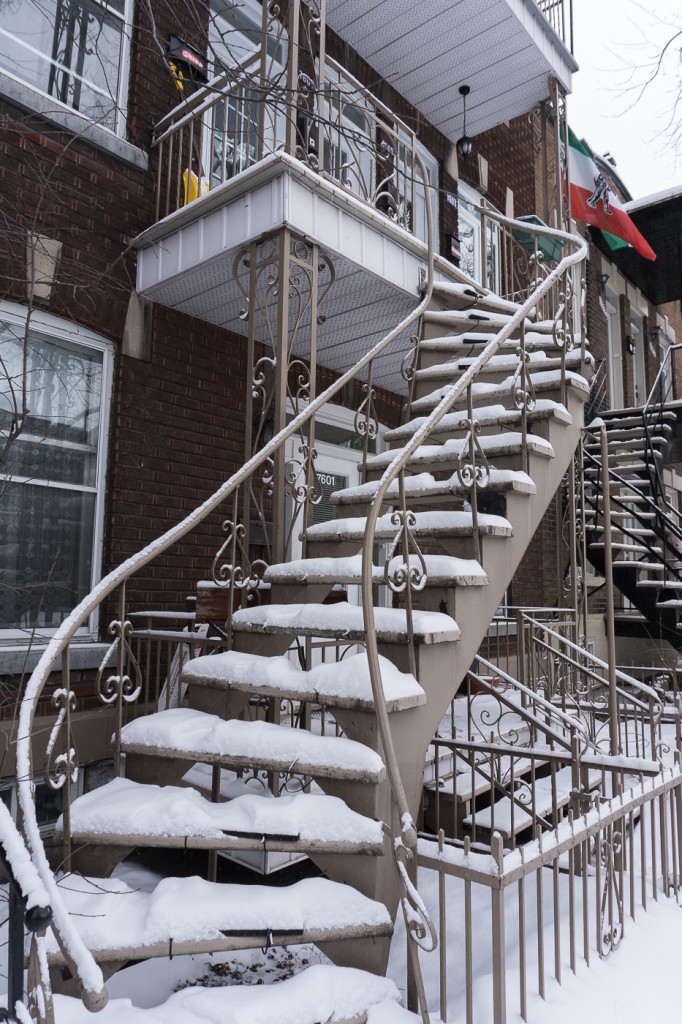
{"x":504,"y":50}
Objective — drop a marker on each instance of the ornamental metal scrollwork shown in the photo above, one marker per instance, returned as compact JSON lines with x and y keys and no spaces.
{"x":408,"y":364}
{"x":611,"y":925}
{"x":366,"y":419}
{"x":239,"y":572}
{"x":418,"y":921}
{"x":472,"y":464}
{"x":119,"y":683}
{"x":523,"y":389}
{"x":401,"y":568}
{"x":305,"y":467}
{"x":63,"y":767}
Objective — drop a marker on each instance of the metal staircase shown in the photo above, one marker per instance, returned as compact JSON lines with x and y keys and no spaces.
{"x":645,"y":529}
{"x":431,"y":537}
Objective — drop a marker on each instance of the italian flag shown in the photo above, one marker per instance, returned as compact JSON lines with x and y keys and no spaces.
{"x":594,"y":202}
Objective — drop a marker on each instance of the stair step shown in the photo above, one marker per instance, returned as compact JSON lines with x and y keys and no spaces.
{"x":498,"y":364}
{"x":475,"y":341}
{"x":672,"y":602}
{"x":436,"y":525}
{"x":622,"y":447}
{"x":465,"y":296}
{"x":423,"y":486}
{"x":441,"y":570}
{"x":631,"y":416}
{"x":493,"y":445}
{"x":130,"y":813}
{"x":662,"y":585}
{"x":340,"y":684}
{"x":475,"y":320}
{"x":500,"y":818}
{"x":548,"y":380}
{"x":486,"y":416}
{"x":634,"y":564}
{"x":344,"y":622}
{"x":191,"y":735}
{"x":191,"y":915}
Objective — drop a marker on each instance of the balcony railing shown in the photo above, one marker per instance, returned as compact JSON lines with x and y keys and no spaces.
{"x":559,"y":13}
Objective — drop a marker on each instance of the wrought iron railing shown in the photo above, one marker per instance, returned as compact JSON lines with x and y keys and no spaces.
{"x":559,"y":13}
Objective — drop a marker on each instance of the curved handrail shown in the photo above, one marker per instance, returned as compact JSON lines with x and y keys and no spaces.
{"x":79,"y":960}
{"x":453,"y":392}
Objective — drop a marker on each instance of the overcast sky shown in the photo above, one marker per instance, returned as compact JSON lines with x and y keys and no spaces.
{"x":614,"y":40}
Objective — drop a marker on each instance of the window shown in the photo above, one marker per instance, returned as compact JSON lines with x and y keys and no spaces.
{"x":52,"y":468}
{"x":75,"y":51}
{"x":235,"y":33}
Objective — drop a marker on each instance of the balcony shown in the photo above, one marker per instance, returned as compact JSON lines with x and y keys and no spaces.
{"x":240,"y":159}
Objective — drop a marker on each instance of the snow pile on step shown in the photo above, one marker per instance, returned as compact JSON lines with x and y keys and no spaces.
{"x":343,"y":618}
{"x":320,"y":993}
{"x":422,"y":484}
{"x":190,"y":731}
{"x":436,"y":520}
{"x":346,"y":678}
{"x":349,"y":568}
{"x":123,"y":807}
{"x":110,"y":915}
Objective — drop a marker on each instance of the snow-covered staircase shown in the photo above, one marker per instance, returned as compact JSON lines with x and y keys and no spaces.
{"x":471,"y":483}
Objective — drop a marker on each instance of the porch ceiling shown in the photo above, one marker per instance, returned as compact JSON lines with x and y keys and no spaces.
{"x":504,"y":50}
{"x":188,"y":262}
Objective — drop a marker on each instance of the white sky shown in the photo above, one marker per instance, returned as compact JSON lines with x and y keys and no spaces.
{"x":614,"y":40}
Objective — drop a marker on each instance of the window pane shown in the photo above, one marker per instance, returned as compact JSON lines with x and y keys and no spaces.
{"x":69,"y":49}
{"x":63,"y":384}
{"x":46,"y":532}
{"x":46,"y":538}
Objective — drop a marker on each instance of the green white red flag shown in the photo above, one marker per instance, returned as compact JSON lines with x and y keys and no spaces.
{"x":594,"y":202}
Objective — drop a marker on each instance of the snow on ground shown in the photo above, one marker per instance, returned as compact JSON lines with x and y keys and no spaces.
{"x":640,"y":982}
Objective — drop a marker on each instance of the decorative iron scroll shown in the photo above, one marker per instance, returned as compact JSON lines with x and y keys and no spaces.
{"x":523,"y":389}
{"x":63,"y":767}
{"x":611,"y":917}
{"x":238,"y":571}
{"x":121,"y":683}
{"x":472,"y":465}
{"x":405,"y":566}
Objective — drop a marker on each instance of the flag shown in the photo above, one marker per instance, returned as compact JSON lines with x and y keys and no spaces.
{"x":594,"y":202}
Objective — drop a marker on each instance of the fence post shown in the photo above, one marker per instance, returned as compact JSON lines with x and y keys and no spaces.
{"x":497,"y":901}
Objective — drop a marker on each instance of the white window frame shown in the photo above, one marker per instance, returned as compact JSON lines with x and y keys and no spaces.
{"x":472,"y":221}
{"x":56,"y":329}
{"x":120,"y":101}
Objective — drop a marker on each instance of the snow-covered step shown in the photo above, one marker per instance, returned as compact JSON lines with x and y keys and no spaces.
{"x":441,"y":455}
{"x":445,"y":524}
{"x":476,"y":320}
{"x":466,"y":296}
{"x":510,"y":820}
{"x":441,"y":570}
{"x":322,"y":992}
{"x":458,"y":344}
{"x":547,"y":380}
{"x":344,"y":622}
{"x":498,"y":366}
{"x":423,"y":486}
{"x":340,"y":684}
{"x":621,"y":446}
{"x":191,"y":915}
{"x":487,"y":417}
{"x":196,"y":736}
{"x":670,"y":602}
{"x":658,"y":567}
{"x":124,"y":812}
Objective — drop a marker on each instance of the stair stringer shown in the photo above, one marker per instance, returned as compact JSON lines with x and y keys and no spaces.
{"x":441,"y":669}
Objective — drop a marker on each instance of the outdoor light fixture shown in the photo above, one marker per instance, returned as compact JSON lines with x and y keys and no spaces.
{"x":603,"y":278}
{"x":464,"y":144}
